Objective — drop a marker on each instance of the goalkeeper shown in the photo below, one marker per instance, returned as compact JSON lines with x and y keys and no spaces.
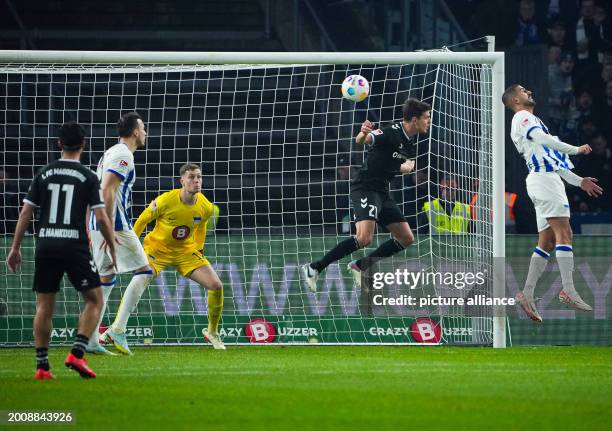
{"x":182,"y":217}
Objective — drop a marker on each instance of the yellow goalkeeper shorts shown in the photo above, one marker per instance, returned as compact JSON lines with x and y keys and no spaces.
{"x":184,"y":262}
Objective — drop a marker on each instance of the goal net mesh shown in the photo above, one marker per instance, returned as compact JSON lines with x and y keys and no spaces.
{"x":277,"y":150}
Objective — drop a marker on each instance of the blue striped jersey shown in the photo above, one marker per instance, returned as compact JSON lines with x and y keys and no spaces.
{"x":119,"y":161}
{"x":539,"y":158}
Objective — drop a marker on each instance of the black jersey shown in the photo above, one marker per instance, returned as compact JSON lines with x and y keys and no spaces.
{"x":63,"y":190}
{"x":390,"y":147}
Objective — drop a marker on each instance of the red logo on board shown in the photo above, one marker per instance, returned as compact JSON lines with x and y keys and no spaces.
{"x":425,"y":330}
{"x":260,"y":331}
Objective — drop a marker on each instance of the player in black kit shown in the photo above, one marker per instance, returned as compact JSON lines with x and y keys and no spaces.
{"x":63,"y":191}
{"x":392,"y":151}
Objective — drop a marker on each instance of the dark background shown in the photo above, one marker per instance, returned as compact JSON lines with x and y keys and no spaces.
{"x":295,"y":174}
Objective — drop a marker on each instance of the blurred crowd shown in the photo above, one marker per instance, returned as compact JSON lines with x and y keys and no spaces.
{"x":580,"y":82}
{"x":578,"y":38}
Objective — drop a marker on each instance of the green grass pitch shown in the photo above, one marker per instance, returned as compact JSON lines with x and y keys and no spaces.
{"x":321,"y":387}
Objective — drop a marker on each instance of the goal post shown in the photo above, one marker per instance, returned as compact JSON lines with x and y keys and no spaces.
{"x":275,"y":141}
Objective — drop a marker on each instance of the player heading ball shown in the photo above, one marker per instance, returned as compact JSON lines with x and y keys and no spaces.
{"x":390,"y":151}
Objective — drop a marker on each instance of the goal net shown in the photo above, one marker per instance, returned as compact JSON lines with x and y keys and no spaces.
{"x":276,"y":144}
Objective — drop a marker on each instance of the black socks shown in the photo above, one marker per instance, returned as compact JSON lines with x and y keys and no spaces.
{"x":80,"y":343}
{"x":42,"y":358}
{"x":345,"y":248}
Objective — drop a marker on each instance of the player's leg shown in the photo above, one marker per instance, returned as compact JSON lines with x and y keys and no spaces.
{"x":366,"y":207}
{"x":208,"y":278}
{"x":140,"y":280}
{"x":131,"y":257}
{"x":537,"y":265}
{"x":402,"y":238}
{"x":108,"y":280}
{"x":87,"y":323}
{"x":48,"y":274}
{"x":84,"y":277}
{"x":94,"y":346}
{"x":565,"y":259}
{"x":364,"y":235}
{"x":43,"y":323}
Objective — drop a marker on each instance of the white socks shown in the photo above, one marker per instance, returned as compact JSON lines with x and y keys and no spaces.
{"x":106,"y":291}
{"x":130,"y":299}
{"x":565,"y":259}
{"x":538,"y":262}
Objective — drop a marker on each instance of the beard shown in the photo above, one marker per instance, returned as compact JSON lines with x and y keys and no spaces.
{"x":530,"y":102}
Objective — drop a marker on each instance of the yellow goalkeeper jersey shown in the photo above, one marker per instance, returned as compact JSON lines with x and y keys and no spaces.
{"x":178,"y":227}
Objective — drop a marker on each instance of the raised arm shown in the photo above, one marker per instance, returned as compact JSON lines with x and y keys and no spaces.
{"x":539,"y":137}
{"x":407,"y":167}
{"x":364,"y":137}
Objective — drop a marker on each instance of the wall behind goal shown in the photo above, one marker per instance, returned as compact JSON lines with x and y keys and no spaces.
{"x":265,"y":286}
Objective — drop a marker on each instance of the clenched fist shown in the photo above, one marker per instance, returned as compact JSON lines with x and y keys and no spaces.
{"x":367,"y":126}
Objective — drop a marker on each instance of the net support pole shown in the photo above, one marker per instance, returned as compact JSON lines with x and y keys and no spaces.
{"x":499,"y":223}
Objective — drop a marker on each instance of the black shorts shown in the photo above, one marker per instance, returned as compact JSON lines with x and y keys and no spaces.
{"x":372,"y":205}
{"x":76,"y":263}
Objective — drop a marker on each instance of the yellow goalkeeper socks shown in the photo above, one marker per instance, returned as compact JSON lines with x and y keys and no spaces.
{"x":215,"y":307}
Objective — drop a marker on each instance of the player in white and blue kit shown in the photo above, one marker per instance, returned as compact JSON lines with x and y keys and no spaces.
{"x":117,"y":173}
{"x":548,"y":162}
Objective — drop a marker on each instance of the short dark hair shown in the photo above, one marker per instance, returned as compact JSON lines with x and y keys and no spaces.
{"x":71,"y":136}
{"x":188,"y":167}
{"x":414,"y":108}
{"x":128,"y":123}
{"x":509,"y":94}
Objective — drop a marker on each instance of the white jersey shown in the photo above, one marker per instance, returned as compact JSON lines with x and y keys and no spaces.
{"x":118,"y":160}
{"x":539,"y":158}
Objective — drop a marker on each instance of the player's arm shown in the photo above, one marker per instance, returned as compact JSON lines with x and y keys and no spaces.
{"x":407,"y":167}
{"x":211,"y":215}
{"x":588,"y":184}
{"x":13,"y":260}
{"x":538,"y":136}
{"x":30,"y":202}
{"x":108,"y":233}
{"x":110,"y":182}
{"x":149,"y":214}
{"x":364,"y":137}
{"x":200,"y":236}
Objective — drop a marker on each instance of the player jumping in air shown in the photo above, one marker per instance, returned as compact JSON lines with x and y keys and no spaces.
{"x":548,"y":163}
{"x":391,"y":151}
{"x":181,"y":217}
{"x":117,"y":174}
{"x":63,"y":190}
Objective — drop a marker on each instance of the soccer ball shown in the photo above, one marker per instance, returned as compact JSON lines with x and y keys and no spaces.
{"x":355,"y":88}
